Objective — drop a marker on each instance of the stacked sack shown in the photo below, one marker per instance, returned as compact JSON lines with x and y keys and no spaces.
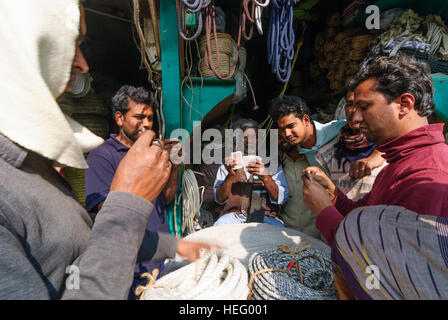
{"x":425,"y":38}
{"x":411,"y":27}
{"x":340,"y":51}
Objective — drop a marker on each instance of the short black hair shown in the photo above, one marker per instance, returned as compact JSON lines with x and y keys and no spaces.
{"x":281,"y":107}
{"x":399,"y":74}
{"x":120,"y":101}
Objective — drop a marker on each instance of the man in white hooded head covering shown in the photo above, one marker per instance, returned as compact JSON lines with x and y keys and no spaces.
{"x":45,"y":234}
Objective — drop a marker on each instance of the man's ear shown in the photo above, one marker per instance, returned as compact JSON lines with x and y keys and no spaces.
{"x":406,"y":104}
{"x":306,"y":119}
{"x":119,"y":119}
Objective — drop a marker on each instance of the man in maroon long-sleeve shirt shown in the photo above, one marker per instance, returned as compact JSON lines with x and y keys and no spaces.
{"x":394,"y":97}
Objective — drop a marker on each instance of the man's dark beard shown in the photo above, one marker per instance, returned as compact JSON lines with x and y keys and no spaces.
{"x":131,"y":136}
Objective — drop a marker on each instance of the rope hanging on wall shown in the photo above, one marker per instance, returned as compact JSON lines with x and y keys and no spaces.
{"x":299,"y":45}
{"x":192,"y":7}
{"x":191,"y":201}
{"x":141,"y":36}
{"x":281,"y":38}
{"x":301,"y":273}
{"x":253,"y":16}
{"x":214,"y":276}
{"x":223,"y":70}
{"x":225,"y":50}
{"x":210,"y":24}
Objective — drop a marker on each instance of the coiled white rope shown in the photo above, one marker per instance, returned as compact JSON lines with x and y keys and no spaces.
{"x":265,"y":4}
{"x":214,"y":276}
{"x":191,"y":201}
{"x":434,"y":37}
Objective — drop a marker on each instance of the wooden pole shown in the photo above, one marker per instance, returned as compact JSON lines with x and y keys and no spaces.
{"x":155,"y":26}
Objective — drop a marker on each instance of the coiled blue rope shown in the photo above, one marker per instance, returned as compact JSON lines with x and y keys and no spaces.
{"x":192,"y":7}
{"x":281,"y":38}
{"x":301,"y":273}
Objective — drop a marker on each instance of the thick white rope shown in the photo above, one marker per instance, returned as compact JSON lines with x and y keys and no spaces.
{"x":214,"y":276}
{"x":191,"y":201}
{"x":434,"y":37}
{"x":265,"y":4}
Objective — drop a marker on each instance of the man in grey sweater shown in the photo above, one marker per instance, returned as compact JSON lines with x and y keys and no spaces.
{"x":50,"y":249}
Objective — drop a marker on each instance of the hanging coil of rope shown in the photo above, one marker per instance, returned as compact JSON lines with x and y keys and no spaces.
{"x":144,"y":57}
{"x":253,"y":16}
{"x":214,"y":276}
{"x":301,"y":273}
{"x":195,"y":7}
{"x":191,"y":201}
{"x":281,"y":38}
{"x":210,"y":24}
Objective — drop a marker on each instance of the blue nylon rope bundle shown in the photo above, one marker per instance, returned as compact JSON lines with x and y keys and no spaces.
{"x":313,"y":280}
{"x":281,"y":38}
{"x":192,"y":7}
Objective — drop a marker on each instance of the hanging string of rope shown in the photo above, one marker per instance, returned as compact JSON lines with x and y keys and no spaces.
{"x":195,"y":7}
{"x":191,"y":201}
{"x":262,"y":4}
{"x":210,"y":24}
{"x":299,"y":45}
{"x":210,"y":28}
{"x":142,"y":41}
{"x":214,"y":276}
{"x":301,"y":273}
{"x":255,"y":11}
{"x":251,"y":90}
{"x":269,"y":123}
{"x":188,"y":83}
{"x":248,"y":15}
{"x":281,"y":38}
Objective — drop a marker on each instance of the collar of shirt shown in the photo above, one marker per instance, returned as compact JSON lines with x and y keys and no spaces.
{"x":287,"y":159}
{"x":11,"y":152}
{"x":15,"y":155}
{"x":324,"y":133}
{"x":318,"y":126}
{"x":114,"y":142}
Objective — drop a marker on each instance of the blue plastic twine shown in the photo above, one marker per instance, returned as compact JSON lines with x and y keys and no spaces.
{"x":281,"y":38}
{"x":192,"y":7}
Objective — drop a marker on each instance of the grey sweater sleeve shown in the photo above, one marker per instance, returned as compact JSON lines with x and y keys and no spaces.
{"x":156,"y":246}
{"x":16,"y":269}
{"x":106,"y":268}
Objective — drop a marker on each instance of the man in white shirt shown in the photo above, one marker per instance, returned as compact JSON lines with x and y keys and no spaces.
{"x":231,"y":187}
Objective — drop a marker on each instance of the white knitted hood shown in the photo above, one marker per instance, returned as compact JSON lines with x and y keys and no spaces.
{"x":37,"y":41}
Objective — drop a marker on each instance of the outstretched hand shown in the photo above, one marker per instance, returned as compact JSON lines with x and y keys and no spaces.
{"x":192,"y":250}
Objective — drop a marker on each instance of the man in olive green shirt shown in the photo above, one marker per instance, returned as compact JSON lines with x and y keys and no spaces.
{"x":295,"y":213}
{"x":302,"y":138}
